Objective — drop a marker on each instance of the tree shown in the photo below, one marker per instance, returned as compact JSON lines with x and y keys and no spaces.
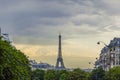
{"x":64,"y":76}
{"x":58,"y":73}
{"x":113,"y":73}
{"x":37,"y":75}
{"x":77,"y":74}
{"x":97,"y":74}
{"x":61,"y":75}
{"x":14,"y":65}
{"x":50,"y":75}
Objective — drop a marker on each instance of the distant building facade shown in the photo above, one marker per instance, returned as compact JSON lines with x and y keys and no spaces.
{"x":4,"y":36}
{"x":87,"y":70}
{"x":44,"y":66}
{"x":96,"y":63}
{"x":110,"y":55}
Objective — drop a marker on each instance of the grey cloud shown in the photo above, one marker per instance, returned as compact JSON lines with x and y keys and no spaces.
{"x":43,"y":19}
{"x":113,"y":28}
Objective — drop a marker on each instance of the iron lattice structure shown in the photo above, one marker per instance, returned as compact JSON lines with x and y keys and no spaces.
{"x":60,"y":63}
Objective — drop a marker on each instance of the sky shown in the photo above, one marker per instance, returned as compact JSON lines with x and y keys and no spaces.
{"x":34,"y":26}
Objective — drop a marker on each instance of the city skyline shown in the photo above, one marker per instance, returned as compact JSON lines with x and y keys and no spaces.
{"x":34,"y":26}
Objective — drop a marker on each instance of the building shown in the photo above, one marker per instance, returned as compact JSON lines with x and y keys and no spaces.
{"x":44,"y":66}
{"x":96,"y":63}
{"x":110,"y":55}
{"x":5,"y":36}
{"x":87,"y":70}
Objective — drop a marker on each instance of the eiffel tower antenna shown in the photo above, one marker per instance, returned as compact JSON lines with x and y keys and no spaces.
{"x":60,"y":63}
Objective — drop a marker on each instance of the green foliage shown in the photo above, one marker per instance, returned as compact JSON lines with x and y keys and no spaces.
{"x":97,"y":74}
{"x":38,"y":75}
{"x":64,"y":76}
{"x":14,"y":65}
{"x":50,"y":75}
{"x":113,"y":74}
{"x":77,"y":74}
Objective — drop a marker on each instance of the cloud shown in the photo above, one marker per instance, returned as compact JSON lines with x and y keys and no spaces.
{"x":44,"y":19}
{"x":81,"y":22}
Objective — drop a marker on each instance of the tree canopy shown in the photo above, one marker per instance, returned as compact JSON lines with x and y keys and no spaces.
{"x":14,"y":65}
{"x":113,"y":73}
{"x":97,"y":74}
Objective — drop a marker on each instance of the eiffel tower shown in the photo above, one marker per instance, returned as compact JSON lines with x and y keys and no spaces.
{"x":60,"y":63}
